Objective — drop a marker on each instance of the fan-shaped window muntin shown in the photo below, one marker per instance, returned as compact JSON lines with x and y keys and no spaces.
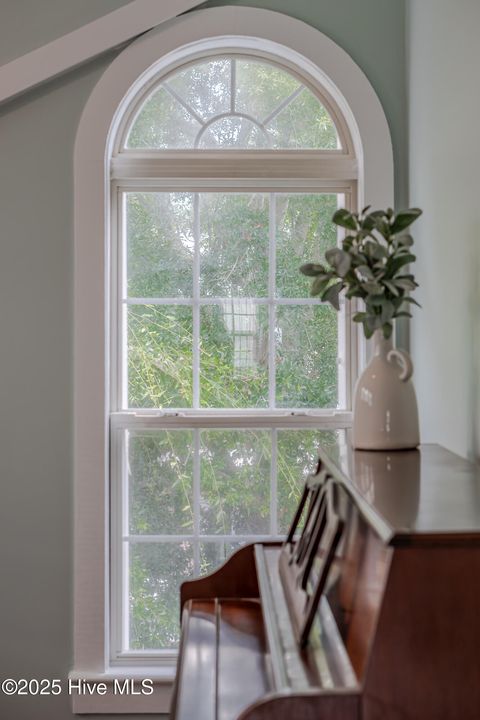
{"x":233,"y":102}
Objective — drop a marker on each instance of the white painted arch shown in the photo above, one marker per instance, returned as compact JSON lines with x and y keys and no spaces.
{"x":316,"y":56}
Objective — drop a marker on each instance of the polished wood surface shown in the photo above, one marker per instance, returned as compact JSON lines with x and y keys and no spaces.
{"x":425,"y":661}
{"x":235,"y":578}
{"x":411,"y":495}
{"x":221,"y":639}
{"x":396,"y":632}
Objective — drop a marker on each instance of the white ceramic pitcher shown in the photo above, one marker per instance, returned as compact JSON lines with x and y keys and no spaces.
{"x":385,"y":414}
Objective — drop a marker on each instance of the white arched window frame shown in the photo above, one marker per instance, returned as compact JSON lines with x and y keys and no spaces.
{"x":363,"y":168}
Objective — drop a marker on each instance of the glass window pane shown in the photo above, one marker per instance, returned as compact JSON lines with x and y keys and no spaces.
{"x":160,"y":244}
{"x":304,"y":123}
{"x":271,"y":108}
{"x":163,"y":122}
{"x":306,"y":356}
{"x":235,"y":482}
{"x":234,"y":354}
{"x":234,"y":132}
{"x":159,"y":356}
{"x":234,"y":244}
{"x":156,"y":572}
{"x":297,"y":456}
{"x":261,"y":88}
{"x":205,"y":87}
{"x":304,"y":232}
{"x":160,"y":467}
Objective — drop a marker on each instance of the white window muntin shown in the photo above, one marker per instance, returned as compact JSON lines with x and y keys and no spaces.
{"x":347,"y":335}
{"x":223,"y":50}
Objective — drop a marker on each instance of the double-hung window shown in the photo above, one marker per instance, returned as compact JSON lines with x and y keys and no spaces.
{"x":226,"y":174}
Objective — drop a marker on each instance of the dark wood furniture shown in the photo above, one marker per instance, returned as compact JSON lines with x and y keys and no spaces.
{"x":371,"y":611}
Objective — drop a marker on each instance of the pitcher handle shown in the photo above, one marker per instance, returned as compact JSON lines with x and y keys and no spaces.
{"x":404,"y":361}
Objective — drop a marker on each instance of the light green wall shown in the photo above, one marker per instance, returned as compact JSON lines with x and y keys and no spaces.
{"x":37,"y":135}
{"x":372,"y":32}
{"x":28,"y":24}
{"x":444,"y":162}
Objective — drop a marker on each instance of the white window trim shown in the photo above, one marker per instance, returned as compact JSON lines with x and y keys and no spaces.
{"x":99,"y":125}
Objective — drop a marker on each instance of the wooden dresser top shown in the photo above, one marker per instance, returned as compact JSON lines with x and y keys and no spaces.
{"x":410,"y":496}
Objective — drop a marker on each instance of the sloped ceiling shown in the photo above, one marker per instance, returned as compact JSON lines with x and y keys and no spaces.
{"x":84,"y":43}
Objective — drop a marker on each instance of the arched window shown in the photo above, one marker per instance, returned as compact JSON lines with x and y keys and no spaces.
{"x":226,"y":159}
{"x":226,"y":174}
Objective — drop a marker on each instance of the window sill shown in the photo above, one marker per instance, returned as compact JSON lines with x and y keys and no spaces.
{"x":129,"y":690}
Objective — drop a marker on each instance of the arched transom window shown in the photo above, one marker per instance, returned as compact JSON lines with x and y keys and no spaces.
{"x":233,"y":102}
{"x":227,"y":171}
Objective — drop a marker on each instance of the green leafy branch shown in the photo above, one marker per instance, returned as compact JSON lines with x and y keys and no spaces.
{"x":371,"y":265}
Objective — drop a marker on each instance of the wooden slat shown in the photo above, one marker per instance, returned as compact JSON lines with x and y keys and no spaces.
{"x":195,"y":691}
{"x":272,"y":629}
{"x":222,"y":664}
{"x":242,"y":672}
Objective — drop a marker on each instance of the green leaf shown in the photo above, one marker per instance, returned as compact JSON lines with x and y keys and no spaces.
{"x":344,"y":264}
{"x":368,"y":223}
{"x":331,"y":295}
{"x":396,"y":263}
{"x":355,"y":291}
{"x":363,"y":272}
{"x":390,"y":286}
{"x":387,"y":330}
{"x":368,"y":332}
{"x":359,"y":317}
{"x":412,"y":301}
{"x":373,"y":288}
{"x":388,"y":311}
{"x":405,"y":283}
{"x":376,"y":300}
{"x":312,"y":269}
{"x":406,"y":241}
{"x":404,"y":219}
{"x":383,"y":227}
{"x":345,"y":219}
{"x":403,"y":313}
{"x":319,"y":285}
{"x":340,"y":260}
{"x":377,"y":251}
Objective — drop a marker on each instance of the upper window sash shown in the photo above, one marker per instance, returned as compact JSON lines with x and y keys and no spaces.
{"x":121,"y":301}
